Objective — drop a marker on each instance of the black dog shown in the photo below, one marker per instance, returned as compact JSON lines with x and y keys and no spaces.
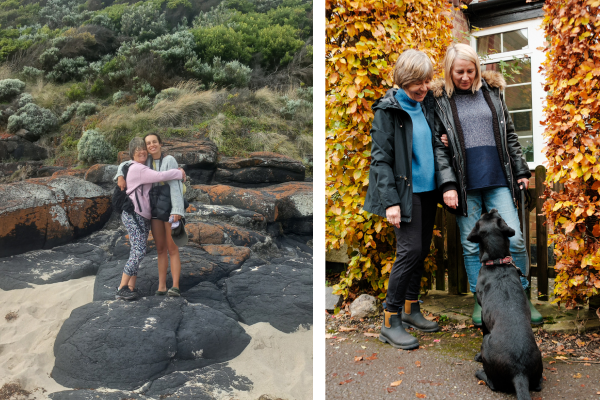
{"x":510,"y":356}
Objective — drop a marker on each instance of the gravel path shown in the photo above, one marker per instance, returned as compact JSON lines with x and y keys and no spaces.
{"x":442,"y":368}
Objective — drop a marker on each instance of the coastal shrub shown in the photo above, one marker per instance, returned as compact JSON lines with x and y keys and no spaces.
{"x":142,"y":88}
{"x":121,"y":97}
{"x":35,"y":119}
{"x":23,"y":99}
{"x":93,"y":148}
{"x":68,"y":69}
{"x":69,"y":112}
{"x":62,"y":13}
{"x":143,"y":22}
{"x":278,"y":44}
{"x":31,"y":73}
{"x":49,"y":58}
{"x":224,"y":74}
{"x":167,"y":94}
{"x":97,"y":87}
{"x":292,"y":106}
{"x":10,"y":88}
{"x":85,"y":109}
{"x":143,"y":103}
{"x":76,"y":91}
{"x":219,"y":15}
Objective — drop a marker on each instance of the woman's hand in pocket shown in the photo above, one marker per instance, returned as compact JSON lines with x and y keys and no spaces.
{"x":451,"y":198}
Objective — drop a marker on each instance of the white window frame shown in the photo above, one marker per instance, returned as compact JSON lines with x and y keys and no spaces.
{"x":535,"y":34}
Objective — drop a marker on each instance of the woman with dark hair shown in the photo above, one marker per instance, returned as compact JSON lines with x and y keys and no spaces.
{"x":402,"y":189}
{"x":139,"y":182}
{"x":161,"y":230}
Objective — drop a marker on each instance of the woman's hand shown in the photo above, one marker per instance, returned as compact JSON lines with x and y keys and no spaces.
{"x":393,"y":215}
{"x":444,"y":139}
{"x":121,"y":183}
{"x":182,"y":174}
{"x":523,"y":181}
{"x":175,"y":217}
{"x":451,"y":198}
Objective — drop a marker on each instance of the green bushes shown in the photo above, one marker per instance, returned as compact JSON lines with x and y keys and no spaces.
{"x":85,"y":109}
{"x":76,"y":91}
{"x":10,"y":88}
{"x":143,"y":22}
{"x":93,"y":148}
{"x":37,"y":120}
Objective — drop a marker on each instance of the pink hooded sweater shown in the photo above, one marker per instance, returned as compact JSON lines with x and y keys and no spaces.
{"x":140,"y":179}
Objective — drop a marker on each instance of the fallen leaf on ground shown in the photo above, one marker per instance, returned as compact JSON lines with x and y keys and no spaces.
{"x":364,"y":347}
{"x":370,"y":334}
{"x":421,"y":395}
{"x":424,"y":381}
{"x":456,"y":335}
{"x":346,"y":381}
{"x":361,"y":373}
{"x":430,"y":317}
{"x":577,"y":375}
{"x":358,"y":358}
{"x":436,"y":340}
{"x":544,"y":378}
{"x":391,"y":390}
{"x":401,"y":373}
{"x":342,"y":339}
{"x":397,"y":383}
{"x":561,"y":358}
{"x":481,"y":383}
{"x":580,"y":343}
{"x":373,"y":357}
{"x":334,"y":374}
{"x":461,"y":326}
{"x":587,"y":364}
{"x":560,"y":347}
{"x":551,"y":369}
{"x":329,"y":336}
{"x":418,"y":364}
{"x":552,"y":362}
{"x":347,"y":329}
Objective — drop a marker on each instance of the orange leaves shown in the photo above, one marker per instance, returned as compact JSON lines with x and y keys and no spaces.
{"x":363,"y":41}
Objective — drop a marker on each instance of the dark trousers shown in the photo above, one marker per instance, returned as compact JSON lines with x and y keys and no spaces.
{"x":413,"y":240}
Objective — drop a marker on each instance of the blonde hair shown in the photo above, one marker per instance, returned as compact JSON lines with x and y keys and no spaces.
{"x":411,"y":67}
{"x":464,"y":52}
{"x":137,"y":143}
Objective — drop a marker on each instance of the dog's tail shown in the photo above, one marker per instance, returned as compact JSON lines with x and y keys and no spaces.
{"x":521,"y":384}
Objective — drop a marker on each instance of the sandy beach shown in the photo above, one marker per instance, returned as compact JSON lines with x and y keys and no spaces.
{"x":278,"y":364}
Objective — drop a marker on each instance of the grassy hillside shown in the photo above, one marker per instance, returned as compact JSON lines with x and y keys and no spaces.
{"x":238,"y":72}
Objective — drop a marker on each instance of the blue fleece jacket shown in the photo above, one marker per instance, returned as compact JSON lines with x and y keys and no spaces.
{"x":423,"y":167}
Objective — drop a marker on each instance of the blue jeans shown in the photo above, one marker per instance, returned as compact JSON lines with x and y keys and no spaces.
{"x":500,"y":199}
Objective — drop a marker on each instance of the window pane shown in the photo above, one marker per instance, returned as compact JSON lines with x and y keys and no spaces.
{"x":524,"y":129}
{"x":489,"y":44}
{"x":515,"y":40}
{"x":514,"y":71}
{"x":522,"y":122}
{"x":518,"y":97}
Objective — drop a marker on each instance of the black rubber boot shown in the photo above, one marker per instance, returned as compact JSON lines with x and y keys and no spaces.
{"x":393,"y":333}
{"x":412,"y":317}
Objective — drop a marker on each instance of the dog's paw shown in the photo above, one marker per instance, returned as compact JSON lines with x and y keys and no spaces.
{"x":478,"y":357}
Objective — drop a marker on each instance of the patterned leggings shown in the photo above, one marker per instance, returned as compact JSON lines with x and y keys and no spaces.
{"x":138,"y":239}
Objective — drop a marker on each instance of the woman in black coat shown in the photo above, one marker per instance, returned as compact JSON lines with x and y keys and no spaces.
{"x":402,"y":189}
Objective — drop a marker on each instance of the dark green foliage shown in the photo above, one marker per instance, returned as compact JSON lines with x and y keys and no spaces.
{"x":97,"y":87}
{"x":224,"y":42}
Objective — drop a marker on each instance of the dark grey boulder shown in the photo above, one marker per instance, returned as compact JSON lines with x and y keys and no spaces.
{"x":229,"y":214}
{"x":15,"y":147}
{"x":87,"y":394}
{"x":123,"y":345}
{"x":197,"y":266}
{"x":43,"y":267}
{"x":204,"y":383}
{"x":258,"y":170}
{"x":280,"y":294}
{"x":210,"y":295}
{"x":27,"y":135}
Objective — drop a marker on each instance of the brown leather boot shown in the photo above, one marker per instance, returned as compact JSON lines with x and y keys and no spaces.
{"x":412,"y":316}
{"x":393,"y":333}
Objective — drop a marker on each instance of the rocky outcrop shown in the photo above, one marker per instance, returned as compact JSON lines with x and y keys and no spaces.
{"x":275,"y":203}
{"x":216,"y":233}
{"x":101,"y":174}
{"x":252,"y":291}
{"x":258,"y":169}
{"x":46,"y":212}
{"x":231,"y":215}
{"x":16,"y":148}
{"x":156,"y":335}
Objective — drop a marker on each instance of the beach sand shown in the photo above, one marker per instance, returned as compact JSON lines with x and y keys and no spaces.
{"x":278,"y":364}
{"x":35,"y":316}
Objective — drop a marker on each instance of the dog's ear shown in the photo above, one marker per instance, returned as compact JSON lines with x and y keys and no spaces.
{"x":505,"y":229}
{"x":474,"y":235}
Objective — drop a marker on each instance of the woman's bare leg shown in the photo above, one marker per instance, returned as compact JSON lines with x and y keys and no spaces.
{"x":160,"y":240}
{"x":173,"y":255}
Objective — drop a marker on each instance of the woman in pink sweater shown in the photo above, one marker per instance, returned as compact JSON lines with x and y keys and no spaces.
{"x":139,"y":182}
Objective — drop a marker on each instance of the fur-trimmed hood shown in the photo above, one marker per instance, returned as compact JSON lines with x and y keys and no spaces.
{"x":492,"y":78}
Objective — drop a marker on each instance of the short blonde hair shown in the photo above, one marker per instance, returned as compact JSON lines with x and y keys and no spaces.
{"x":137,"y":143}
{"x":464,"y":52}
{"x":411,"y":67}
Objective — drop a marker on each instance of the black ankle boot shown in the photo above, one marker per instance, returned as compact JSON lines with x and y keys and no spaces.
{"x":412,"y":317}
{"x":393,"y":333}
